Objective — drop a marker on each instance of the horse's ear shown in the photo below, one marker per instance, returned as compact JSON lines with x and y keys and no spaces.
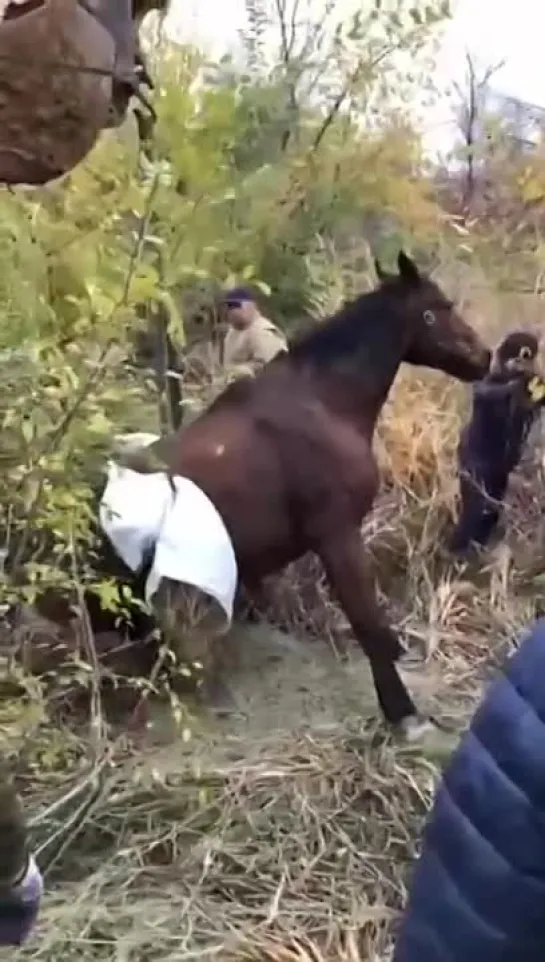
{"x":380,"y":272}
{"x":407,"y":268}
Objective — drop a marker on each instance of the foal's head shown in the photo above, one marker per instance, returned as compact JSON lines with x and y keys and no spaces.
{"x":439,"y":336}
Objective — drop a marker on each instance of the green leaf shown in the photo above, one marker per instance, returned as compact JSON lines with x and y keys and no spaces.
{"x":175,"y":319}
{"x":99,"y":424}
{"x":108,"y":594}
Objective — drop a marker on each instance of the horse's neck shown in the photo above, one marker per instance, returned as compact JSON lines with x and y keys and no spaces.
{"x":358,"y":390}
{"x":359,"y":406}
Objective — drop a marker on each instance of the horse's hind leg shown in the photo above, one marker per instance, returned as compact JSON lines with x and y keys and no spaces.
{"x":194,"y":629}
{"x":344,"y":562}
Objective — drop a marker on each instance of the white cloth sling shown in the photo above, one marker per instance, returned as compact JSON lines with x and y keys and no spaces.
{"x":142,"y":512}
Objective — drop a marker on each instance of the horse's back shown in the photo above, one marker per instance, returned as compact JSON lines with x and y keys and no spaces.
{"x":280,"y":468}
{"x":226,"y":455}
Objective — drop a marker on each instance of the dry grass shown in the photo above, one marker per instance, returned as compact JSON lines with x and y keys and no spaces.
{"x":294,"y":848}
{"x":298,"y":851}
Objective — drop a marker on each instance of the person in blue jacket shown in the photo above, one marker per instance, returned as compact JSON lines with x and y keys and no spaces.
{"x":478,"y":888}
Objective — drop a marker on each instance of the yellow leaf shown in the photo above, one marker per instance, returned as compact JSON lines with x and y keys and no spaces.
{"x":27,"y":430}
{"x":230,"y":281}
{"x":144,"y":284}
{"x":536,"y":389}
{"x":178,"y":715}
{"x":99,"y":424}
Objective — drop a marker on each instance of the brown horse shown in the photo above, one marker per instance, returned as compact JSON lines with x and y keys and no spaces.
{"x":287,"y":457}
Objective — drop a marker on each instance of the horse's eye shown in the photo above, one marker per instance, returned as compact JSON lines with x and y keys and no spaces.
{"x":429,"y":317}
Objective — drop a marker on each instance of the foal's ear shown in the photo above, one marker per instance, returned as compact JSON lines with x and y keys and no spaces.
{"x":407,"y":268}
{"x":381,"y":273}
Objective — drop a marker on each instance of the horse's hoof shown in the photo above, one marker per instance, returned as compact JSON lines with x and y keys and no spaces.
{"x":220,"y":700}
{"x":427,"y":737}
{"x":414,"y":728}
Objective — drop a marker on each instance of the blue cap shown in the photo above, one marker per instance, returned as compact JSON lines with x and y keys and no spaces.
{"x":236,"y":296}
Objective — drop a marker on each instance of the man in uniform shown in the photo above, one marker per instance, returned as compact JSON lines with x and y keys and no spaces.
{"x":252,"y":340}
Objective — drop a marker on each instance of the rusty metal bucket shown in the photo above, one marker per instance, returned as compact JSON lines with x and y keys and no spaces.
{"x":56,"y":66}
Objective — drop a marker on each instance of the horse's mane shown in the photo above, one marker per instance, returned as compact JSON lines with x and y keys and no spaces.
{"x":360,"y":321}
{"x":354,"y":323}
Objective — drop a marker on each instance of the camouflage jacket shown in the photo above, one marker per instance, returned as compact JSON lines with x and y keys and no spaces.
{"x":253,"y":347}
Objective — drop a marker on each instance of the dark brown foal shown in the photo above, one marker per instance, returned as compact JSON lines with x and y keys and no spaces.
{"x":287,"y":457}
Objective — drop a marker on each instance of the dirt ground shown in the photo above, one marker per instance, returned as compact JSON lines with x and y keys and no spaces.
{"x":283,"y":686}
{"x":281,"y":832}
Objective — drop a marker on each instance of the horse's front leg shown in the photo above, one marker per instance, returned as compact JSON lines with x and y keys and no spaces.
{"x":344,"y":561}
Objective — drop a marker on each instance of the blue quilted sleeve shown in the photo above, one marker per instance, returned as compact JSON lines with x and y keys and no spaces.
{"x":478,"y":890}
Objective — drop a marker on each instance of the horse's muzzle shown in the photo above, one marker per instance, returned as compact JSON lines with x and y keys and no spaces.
{"x":474,"y":366}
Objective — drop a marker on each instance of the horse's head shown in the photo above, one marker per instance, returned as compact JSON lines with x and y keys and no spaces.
{"x":438,"y":337}
{"x":68,"y":69}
